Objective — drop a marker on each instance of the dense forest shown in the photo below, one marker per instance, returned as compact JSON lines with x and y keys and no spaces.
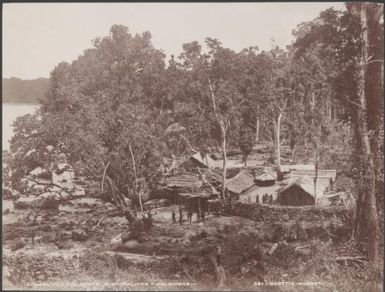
{"x":121,"y":108}
{"x":16,"y":90}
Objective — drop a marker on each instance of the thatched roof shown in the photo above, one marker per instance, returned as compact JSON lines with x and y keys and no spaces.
{"x":211,"y":176}
{"x":265,"y":176}
{"x":241,"y":182}
{"x":305,"y":183}
{"x":322,"y":174}
{"x":196,"y":195}
{"x":205,"y":161}
{"x":184,"y":181}
{"x":291,"y":167}
{"x":256,"y":190}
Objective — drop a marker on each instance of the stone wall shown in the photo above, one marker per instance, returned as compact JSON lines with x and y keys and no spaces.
{"x":259,"y":212}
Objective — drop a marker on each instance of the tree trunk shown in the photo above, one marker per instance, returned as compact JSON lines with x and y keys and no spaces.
{"x":257,"y":131}
{"x":137,"y":194}
{"x":119,"y":200}
{"x":224,"y":156}
{"x":367,"y":162}
{"x":316,"y":176}
{"x":278,"y":140}
{"x":293,"y":153}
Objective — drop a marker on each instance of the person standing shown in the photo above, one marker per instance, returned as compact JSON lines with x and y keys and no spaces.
{"x":189,"y":216}
{"x":218,"y":253}
{"x":180,"y":216}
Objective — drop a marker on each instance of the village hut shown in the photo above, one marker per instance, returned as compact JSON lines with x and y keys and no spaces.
{"x":195,"y":201}
{"x":243,"y":181}
{"x":255,"y":191}
{"x":291,"y":167}
{"x":325,"y":178}
{"x":185,"y":182}
{"x":265,"y":179}
{"x":197,"y":160}
{"x":298,"y":193}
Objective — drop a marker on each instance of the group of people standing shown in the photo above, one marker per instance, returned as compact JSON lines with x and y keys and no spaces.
{"x":266,"y":199}
{"x":201,"y":216}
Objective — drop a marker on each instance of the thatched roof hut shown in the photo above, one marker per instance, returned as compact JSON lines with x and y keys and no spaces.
{"x":240,"y":183}
{"x":265,"y":179}
{"x":298,"y":193}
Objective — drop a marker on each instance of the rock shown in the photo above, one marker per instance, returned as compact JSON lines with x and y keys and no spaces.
{"x":24,"y":202}
{"x":90,"y":203}
{"x":116,"y":241}
{"x":285,"y":217}
{"x":131,"y":244}
{"x":64,"y":235}
{"x":79,"y":235}
{"x":17,"y":245}
{"x":48,"y":200}
{"x":64,"y":245}
{"x":79,"y":192}
{"x":49,"y":148}
{"x":125,"y":236}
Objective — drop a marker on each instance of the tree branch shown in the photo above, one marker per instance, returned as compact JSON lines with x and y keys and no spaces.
{"x":51,"y":185}
{"x":104,"y":174}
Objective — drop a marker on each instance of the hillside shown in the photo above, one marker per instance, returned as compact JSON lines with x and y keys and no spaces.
{"x":17,"y":90}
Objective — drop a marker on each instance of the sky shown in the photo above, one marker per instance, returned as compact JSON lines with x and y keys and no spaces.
{"x":38,"y":36}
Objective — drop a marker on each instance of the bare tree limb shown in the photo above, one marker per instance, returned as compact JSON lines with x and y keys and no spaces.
{"x":104,"y":174}
{"x":51,"y":185}
{"x":111,"y":213}
{"x":136,"y":179}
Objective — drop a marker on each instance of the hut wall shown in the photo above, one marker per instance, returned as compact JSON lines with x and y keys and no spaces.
{"x":295,"y":196}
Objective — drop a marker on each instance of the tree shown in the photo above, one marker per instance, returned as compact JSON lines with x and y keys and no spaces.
{"x":368,"y":159}
{"x":216,"y":98}
{"x":101,"y":109}
{"x":357,"y":84}
{"x":278,"y":90}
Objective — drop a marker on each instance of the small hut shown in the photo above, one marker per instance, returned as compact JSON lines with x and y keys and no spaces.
{"x":184,"y":182}
{"x":205,"y":161}
{"x":243,"y":181}
{"x":298,"y":193}
{"x":194,"y":201}
{"x":265,"y":179}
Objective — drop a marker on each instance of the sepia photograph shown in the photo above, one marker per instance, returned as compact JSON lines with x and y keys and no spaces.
{"x":207,"y":146}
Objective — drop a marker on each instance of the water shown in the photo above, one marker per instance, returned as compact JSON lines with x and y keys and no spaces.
{"x":10,"y":112}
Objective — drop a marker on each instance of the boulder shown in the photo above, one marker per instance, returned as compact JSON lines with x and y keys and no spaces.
{"x":131,"y":244}
{"x":79,"y":235}
{"x":63,"y":176}
{"x":48,"y":200}
{"x":17,"y":245}
{"x":90,"y":203}
{"x":116,"y":241}
{"x":64,"y":245}
{"x":24,"y":202}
